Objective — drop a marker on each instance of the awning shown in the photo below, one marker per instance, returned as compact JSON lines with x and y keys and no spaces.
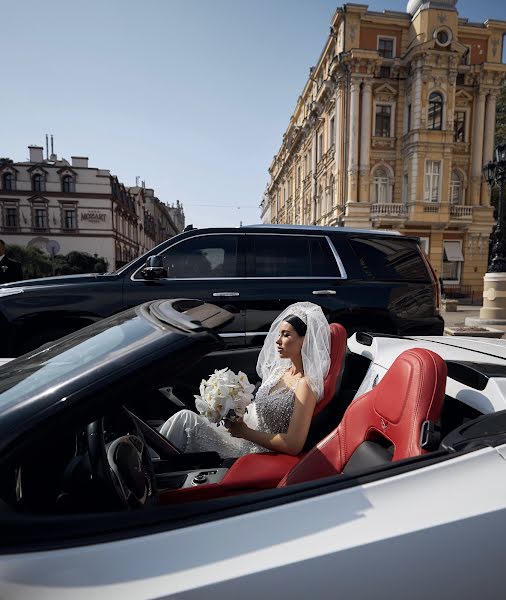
{"x":453,"y":251}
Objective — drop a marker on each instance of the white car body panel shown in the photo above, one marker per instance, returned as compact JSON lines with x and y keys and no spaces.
{"x":406,"y":536}
{"x":383,"y":352}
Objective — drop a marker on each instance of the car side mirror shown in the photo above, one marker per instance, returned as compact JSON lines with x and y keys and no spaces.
{"x":154,"y":269}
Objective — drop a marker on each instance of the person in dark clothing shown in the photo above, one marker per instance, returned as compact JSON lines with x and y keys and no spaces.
{"x":10,"y":270}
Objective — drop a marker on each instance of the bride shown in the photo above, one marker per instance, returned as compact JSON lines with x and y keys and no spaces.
{"x":292,"y":364}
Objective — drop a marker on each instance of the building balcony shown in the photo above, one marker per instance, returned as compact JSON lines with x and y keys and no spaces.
{"x":461,"y":214}
{"x":432,"y":214}
{"x":332,"y":217}
{"x":388,"y":213}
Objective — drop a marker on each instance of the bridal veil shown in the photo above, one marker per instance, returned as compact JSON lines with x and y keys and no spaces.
{"x":315,"y":348}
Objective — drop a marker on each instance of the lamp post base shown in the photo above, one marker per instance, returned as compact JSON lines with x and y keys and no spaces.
{"x":493,"y":311}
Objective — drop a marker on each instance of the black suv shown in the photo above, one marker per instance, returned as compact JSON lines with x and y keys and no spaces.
{"x":364,"y":279}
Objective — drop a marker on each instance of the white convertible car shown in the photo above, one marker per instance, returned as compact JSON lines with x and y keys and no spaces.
{"x":400,"y":493}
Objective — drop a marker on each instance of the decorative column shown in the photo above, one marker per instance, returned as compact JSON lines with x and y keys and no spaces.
{"x":313,"y":173}
{"x":477,"y":147}
{"x":488,"y":143}
{"x":416,"y":102}
{"x":365,"y":140}
{"x":338,"y":154}
{"x":353,"y":141}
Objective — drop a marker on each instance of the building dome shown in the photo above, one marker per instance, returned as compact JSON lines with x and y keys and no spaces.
{"x":415,"y":5}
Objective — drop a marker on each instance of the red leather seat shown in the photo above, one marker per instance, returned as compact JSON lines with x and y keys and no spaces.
{"x":392,"y":413}
{"x":338,"y":340}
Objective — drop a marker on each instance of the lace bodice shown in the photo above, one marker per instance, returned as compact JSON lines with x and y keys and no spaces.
{"x":274,"y":405}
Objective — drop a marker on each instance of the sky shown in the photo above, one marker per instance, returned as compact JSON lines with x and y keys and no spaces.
{"x":190,"y":96}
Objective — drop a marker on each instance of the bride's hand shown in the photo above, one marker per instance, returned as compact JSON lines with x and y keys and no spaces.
{"x":237,"y":428}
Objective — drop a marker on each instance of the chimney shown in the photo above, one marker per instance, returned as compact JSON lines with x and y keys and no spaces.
{"x":80,"y":161}
{"x":36,"y":154}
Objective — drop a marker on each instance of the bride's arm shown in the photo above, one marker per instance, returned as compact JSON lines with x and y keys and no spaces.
{"x":294,"y":439}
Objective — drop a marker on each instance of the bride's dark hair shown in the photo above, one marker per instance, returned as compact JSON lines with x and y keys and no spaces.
{"x":297,"y":323}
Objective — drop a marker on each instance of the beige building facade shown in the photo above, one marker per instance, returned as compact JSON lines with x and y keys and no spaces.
{"x":392,"y":130}
{"x":61,"y":206}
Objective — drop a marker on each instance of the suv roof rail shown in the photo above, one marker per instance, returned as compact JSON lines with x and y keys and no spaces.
{"x":320,"y":228}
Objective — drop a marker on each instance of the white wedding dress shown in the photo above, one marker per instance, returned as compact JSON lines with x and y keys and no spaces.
{"x":270,"y":412}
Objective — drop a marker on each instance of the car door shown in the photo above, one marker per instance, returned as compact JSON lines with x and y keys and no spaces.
{"x":210,"y":267}
{"x":286,"y":268}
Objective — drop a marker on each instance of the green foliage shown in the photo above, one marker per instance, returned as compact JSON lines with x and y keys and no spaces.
{"x":500,"y":119}
{"x":36,"y":263}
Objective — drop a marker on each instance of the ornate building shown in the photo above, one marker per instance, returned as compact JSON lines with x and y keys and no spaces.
{"x":59,"y":207}
{"x":392,"y":129}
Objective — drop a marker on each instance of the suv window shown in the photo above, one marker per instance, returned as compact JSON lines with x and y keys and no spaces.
{"x":292,"y":256}
{"x":203,"y":256}
{"x":391,"y":259}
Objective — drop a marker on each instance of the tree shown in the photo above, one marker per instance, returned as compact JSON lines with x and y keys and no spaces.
{"x":500,"y":119}
{"x":37,"y":263}
{"x":34,"y":262}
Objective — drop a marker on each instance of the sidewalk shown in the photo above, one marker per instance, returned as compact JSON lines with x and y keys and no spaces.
{"x":458,"y":318}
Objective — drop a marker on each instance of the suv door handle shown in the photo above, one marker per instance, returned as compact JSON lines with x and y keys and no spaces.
{"x":225,"y":294}
{"x":324,"y":292}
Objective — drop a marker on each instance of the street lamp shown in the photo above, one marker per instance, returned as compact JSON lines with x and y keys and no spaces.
{"x":494,"y":173}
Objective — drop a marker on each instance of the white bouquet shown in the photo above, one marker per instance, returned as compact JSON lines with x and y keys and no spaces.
{"x":224,"y":396}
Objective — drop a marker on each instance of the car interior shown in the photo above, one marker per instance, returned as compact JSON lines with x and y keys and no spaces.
{"x":119,"y":460}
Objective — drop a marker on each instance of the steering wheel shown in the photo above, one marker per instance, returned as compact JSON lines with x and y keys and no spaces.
{"x":123,"y":466}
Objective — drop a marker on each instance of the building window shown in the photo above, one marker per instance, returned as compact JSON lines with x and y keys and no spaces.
{"x":386,"y":47}
{"x":385,"y":72}
{"x":8,"y":182}
{"x":332,"y":131}
{"x":432,"y":178}
{"x":40,"y":218}
{"x":319,"y":147}
{"x":38,"y":183}
{"x":456,"y":189}
{"x":383,"y":120}
{"x":69,"y":218}
{"x":11,"y":217}
{"x":299,"y":175}
{"x":452,"y":261}
{"x":460,"y":126}
{"x":424,"y":244}
{"x":68,"y":184}
{"x":435,"y":116}
{"x":382,"y":190}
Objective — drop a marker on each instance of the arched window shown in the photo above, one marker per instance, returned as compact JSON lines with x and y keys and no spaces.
{"x":381,"y":187}
{"x":68,"y":183}
{"x":456,"y":189}
{"x":8,"y":182}
{"x":435,"y":114}
{"x":38,"y":183}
